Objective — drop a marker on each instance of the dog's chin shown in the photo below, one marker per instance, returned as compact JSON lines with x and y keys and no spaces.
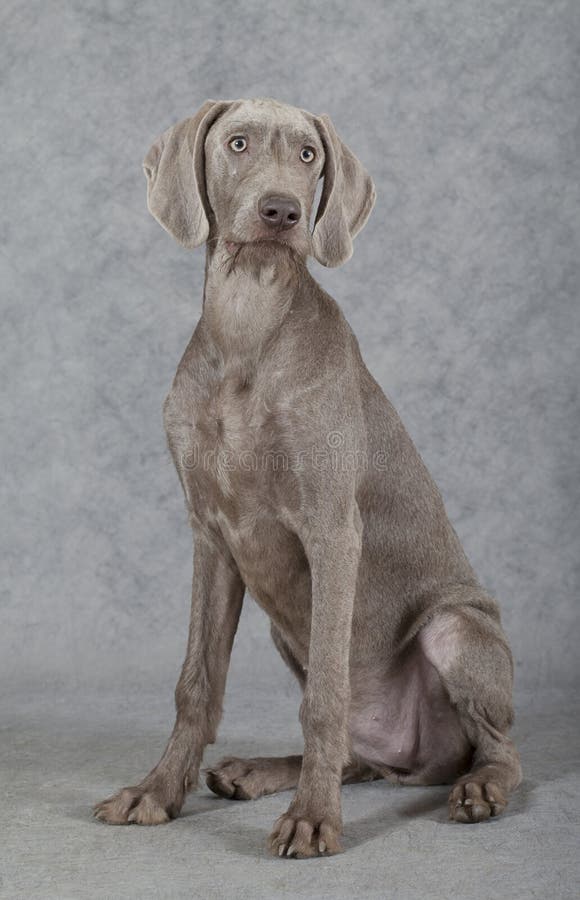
{"x":265,"y":249}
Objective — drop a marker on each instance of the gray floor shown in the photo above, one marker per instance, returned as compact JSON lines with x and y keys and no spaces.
{"x":58,"y":757}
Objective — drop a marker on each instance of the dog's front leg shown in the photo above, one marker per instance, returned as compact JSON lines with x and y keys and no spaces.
{"x":313,"y":822}
{"x":215,"y":609}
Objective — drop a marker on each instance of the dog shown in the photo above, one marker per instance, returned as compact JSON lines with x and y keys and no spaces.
{"x":304,"y":489}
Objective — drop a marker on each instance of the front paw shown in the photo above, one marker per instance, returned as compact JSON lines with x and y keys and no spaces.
{"x":140,"y":805}
{"x":302,"y":836}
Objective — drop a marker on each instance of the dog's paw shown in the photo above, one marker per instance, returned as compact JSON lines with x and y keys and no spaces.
{"x":135,"y":806}
{"x":248,"y":779}
{"x":475,"y":800}
{"x":302,"y":837}
{"x":236,"y":779}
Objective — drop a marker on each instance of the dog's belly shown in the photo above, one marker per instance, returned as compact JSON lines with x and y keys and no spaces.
{"x":402,"y":719}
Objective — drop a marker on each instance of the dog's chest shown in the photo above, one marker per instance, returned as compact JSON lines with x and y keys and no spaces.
{"x":226,"y":422}
{"x":223,"y":429}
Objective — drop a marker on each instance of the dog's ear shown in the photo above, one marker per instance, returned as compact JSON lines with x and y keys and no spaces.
{"x":175,"y":170}
{"x":348,"y":196}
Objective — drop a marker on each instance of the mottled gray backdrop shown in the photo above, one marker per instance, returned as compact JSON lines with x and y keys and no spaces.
{"x":463,"y":291}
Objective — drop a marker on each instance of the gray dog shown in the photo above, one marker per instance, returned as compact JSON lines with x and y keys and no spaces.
{"x":304,"y":488}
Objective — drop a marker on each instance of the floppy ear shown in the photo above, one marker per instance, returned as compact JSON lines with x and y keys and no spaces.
{"x":174,"y":167}
{"x":348,"y":196}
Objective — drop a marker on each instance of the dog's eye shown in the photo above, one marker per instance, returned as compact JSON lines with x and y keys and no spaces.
{"x":238,"y":144}
{"x":307,"y":154}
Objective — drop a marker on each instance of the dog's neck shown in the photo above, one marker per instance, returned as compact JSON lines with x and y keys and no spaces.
{"x":248,"y":293}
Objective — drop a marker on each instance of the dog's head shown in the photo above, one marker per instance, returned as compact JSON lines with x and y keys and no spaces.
{"x":249,"y":170}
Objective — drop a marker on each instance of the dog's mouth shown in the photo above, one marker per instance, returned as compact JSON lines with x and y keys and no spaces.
{"x":253,"y":255}
{"x":234,"y":246}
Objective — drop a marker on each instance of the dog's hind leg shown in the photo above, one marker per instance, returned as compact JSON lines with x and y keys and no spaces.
{"x":248,"y":779}
{"x":467,"y":646}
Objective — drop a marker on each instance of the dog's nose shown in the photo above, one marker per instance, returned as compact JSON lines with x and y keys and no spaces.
{"x":280,"y":212}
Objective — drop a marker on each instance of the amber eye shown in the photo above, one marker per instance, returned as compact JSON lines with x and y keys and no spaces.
{"x":238,"y":144}
{"x":307,"y":154}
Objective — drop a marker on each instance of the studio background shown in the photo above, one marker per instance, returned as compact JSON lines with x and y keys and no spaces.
{"x":463,"y":292}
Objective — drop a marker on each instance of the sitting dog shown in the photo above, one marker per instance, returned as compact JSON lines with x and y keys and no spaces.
{"x":304,"y":489}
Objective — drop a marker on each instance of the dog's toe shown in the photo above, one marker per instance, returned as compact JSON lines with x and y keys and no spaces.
{"x":220,"y":779}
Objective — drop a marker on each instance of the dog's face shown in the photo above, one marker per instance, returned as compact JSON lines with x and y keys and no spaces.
{"x":262,"y":164}
{"x":247,"y":170}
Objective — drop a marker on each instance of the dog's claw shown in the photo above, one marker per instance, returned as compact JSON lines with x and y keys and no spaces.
{"x":300,"y":838}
